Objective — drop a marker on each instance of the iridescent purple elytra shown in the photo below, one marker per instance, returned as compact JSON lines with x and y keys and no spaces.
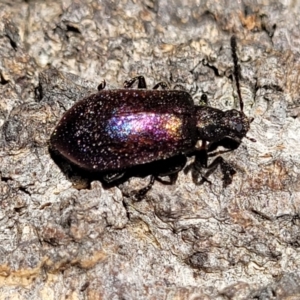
{"x":115,"y":129}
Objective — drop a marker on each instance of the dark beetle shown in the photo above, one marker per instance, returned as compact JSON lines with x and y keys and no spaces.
{"x":114,"y":130}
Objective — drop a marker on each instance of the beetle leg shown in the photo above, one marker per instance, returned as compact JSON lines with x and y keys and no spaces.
{"x":227,"y":170}
{"x":203,"y":99}
{"x":201,"y":155}
{"x":171,"y":168}
{"x":142,"y":192}
{"x":101,"y":85}
{"x":141,"y":82}
{"x":163,"y":85}
{"x":201,"y":161}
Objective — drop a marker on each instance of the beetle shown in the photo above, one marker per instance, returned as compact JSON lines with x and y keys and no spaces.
{"x":113,"y":131}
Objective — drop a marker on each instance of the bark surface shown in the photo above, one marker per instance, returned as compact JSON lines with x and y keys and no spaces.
{"x":64,"y":237}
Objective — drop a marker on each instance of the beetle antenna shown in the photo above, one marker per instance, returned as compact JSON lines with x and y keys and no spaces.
{"x":236,"y":70}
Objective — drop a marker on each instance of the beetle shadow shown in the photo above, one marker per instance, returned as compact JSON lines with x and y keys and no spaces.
{"x":79,"y":178}
{"x":82,"y":178}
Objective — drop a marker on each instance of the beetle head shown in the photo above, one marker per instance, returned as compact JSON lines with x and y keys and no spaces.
{"x":236,"y":124}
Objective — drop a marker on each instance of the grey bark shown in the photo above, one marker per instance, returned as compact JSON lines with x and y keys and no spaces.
{"x":62,"y":238}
